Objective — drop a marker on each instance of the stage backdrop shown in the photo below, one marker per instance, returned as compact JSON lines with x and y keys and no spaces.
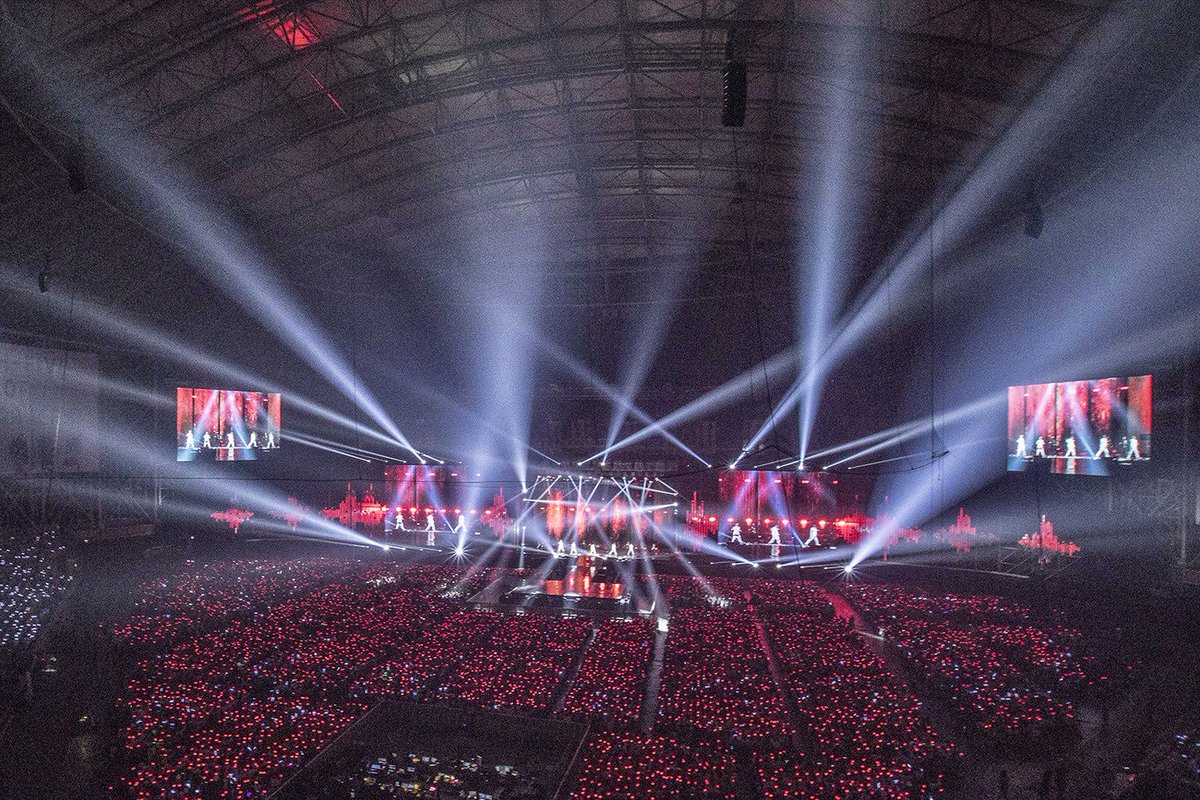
{"x":44,"y":393}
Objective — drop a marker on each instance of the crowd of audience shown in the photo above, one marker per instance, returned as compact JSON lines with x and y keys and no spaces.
{"x":230,"y":713}
{"x":686,"y":591}
{"x":611,"y":681}
{"x":259,"y":677}
{"x":793,"y":595}
{"x":200,"y":597}
{"x":1007,"y":674}
{"x":33,"y":577}
{"x":516,"y":662}
{"x":716,"y":676}
{"x":261,"y":664}
{"x":861,"y":732}
{"x":628,"y":766}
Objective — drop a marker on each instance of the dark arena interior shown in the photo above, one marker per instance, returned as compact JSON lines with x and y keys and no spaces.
{"x":599,"y":399}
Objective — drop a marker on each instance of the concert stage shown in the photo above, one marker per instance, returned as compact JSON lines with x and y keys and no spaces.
{"x":597,"y":586}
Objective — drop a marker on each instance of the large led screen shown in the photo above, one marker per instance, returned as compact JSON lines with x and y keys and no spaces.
{"x":1079,"y":427}
{"x":225,"y":425}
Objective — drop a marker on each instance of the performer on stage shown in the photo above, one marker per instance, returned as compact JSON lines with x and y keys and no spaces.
{"x":232,"y":447}
{"x":574,"y":549}
{"x":189,"y":441}
{"x":430,"y":527}
{"x":774,"y":541}
{"x":1039,"y":447}
{"x":270,"y":440}
{"x":460,"y":526}
{"x":736,"y":534}
{"x":1102,"y":451}
{"x":592,"y":551}
{"x":207,"y":441}
{"x":1071,"y":447}
{"x":629,"y":551}
{"x":1135,"y":450}
{"x":813,"y":539}
{"x":1022,"y":448}
{"x":612,"y":551}
{"x":253,"y":443}
{"x":560,"y":551}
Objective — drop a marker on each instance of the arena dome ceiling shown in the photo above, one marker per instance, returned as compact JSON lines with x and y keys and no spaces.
{"x":386,"y":130}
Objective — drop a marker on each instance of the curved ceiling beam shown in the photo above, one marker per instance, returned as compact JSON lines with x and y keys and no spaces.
{"x":880,"y":41}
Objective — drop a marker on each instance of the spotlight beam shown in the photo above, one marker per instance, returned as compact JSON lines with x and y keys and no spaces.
{"x":584,"y":373}
{"x":967,"y":205}
{"x":727,"y":393}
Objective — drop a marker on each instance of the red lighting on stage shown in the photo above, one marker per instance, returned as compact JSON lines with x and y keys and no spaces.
{"x":233,"y":516}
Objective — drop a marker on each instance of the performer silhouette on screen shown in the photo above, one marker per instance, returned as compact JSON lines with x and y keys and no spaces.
{"x":813,"y":539}
{"x":1135,"y":450}
{"x":190,"y":441}
{"x":1022,"y":448}
{"x":736,"y":534}
{"x":1102,"y":451}
{"x":1071,"y":453}
{"x":207,"y":441}
{"x":1039,"y":447}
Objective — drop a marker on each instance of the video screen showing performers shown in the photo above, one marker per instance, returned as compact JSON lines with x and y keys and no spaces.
{"x":1080,"y":427}
{"x":225,"y":424}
